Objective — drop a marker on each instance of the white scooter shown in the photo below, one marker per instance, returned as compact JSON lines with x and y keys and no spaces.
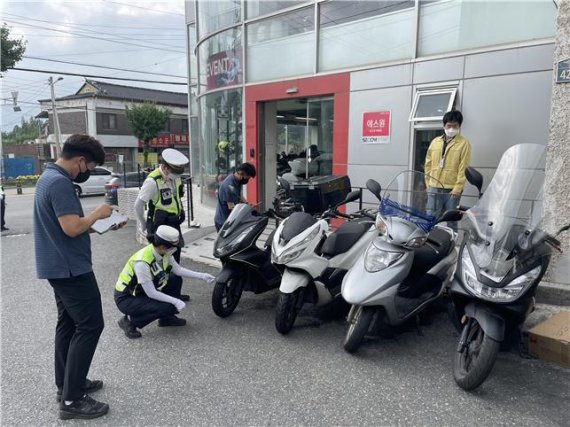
{"x":404,"y":269}
{"x":315,"y":261}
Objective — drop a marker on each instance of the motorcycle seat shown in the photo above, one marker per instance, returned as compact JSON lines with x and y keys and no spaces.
{"x":296,"y":224}
{"x":344,"y":238}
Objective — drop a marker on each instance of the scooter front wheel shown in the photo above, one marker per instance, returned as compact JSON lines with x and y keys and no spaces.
{"x":288,"y":307}
{"x":475,"y":360}
{"x":226,"y":296}
{"x":359,"y":326}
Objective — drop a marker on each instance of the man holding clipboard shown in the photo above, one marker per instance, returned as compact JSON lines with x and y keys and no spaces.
{"x":63,"y":257}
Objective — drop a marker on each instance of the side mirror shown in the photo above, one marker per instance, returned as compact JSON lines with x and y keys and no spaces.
{"x":474,"y":177}
{"x":350,"y":197}
{"x":374,"y":188}
{"x":283,"y":183}
{"x":451,"y":215}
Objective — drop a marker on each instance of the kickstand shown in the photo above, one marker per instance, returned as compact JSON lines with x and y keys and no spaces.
{"x":418,"y":327}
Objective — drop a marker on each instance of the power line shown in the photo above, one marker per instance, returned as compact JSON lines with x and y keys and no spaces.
{"x":97,"y":38}
{"x":80,"y":24}
{"x":97,"y":77}
{"x":102,"y":66}
{"x":144,"y":8}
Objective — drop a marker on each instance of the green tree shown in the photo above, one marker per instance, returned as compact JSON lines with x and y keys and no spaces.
{"x":12,"y":49}
{"x":28,"y":130}
{"x":145,"y":121}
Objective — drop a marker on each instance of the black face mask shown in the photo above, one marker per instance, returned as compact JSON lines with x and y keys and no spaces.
{"x":243,"y":181}
{"x":82,"y":176}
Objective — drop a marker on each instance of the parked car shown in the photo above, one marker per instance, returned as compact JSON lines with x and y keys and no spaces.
{"x":96,"y":182}
{"x":128,"y":180}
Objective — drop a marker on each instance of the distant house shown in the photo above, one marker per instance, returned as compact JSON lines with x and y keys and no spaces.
{"x":98,"y":109}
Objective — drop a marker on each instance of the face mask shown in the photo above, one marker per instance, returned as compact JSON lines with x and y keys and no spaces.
{"x":451,"y":132}
{"x":82,"y":176}
{"x":170,"y":252}
{"x":243,"y":181}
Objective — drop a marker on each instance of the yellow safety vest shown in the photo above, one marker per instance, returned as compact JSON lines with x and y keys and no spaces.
{"x":128,"y":281}
{"x":167,"y":200}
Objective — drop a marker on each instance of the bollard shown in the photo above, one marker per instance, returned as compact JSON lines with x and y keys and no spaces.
{"x":18,"y":188}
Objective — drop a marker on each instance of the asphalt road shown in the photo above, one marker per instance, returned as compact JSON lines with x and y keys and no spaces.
{"x":239,"y":370}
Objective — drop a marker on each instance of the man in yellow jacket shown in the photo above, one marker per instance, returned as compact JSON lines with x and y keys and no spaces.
{"x":446,"y":159}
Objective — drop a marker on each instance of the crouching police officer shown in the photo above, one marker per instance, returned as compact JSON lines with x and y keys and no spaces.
{"x":162,"y":193}
{"x":148,"y":288}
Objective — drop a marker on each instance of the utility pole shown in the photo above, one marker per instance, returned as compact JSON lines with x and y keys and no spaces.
{"x":55,"y":118}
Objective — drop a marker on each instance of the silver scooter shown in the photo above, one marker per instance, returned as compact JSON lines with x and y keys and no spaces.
{"x":406,"y":267}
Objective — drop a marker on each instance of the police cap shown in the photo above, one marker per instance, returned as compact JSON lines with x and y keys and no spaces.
{"x":167,"y":236}
{"x":175,"y":159}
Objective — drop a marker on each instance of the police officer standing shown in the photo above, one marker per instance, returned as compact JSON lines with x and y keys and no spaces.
{"x":147,"y":288}
{"x":162,"y":193}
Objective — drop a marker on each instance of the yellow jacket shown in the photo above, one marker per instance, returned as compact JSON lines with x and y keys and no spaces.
{"x":457,"y":158}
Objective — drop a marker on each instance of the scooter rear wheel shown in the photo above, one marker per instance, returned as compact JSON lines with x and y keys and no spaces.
{"x":359,"y":326}
{"x":288,"y":307}
{"x":226,"y":296}
{"x":474,"y":363}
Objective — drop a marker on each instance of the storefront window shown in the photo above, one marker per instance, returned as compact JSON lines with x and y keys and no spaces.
{"x":354,"y":33}
{"x":221,"y":61}
{"x":447,"y":26}
{"x":221,"y":139}
{"x":215,"y":15}
{"x":283,"y":46}
{"x":262,"y":7}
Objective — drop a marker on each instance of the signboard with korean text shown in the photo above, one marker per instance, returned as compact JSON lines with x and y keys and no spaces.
{"x":165,"y":140}
{"x":376,"y":127}
{"x":563,"y":71}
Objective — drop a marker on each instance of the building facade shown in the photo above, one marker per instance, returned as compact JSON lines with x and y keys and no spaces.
{"x":367,"y":82}
{"x":99,"y":109}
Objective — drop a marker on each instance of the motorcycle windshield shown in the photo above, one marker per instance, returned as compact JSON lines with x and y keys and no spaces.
{"x":406,"y":197}
{"x":240,"y":214}
{"x":510,"y":205}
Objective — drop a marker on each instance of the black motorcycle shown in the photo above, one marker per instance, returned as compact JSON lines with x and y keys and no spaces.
{"x":246,"y":267}
{"x":502,"y":259}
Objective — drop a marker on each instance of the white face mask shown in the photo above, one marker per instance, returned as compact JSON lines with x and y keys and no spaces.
{"x":170,"y":252}
{"x":451,"y":132}
{"x":174,"y":176}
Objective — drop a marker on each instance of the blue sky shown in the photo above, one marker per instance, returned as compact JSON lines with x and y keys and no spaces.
{"x":136,"y":35}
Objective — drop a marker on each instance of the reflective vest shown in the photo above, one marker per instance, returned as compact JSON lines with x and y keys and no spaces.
{"x":160,"y":272}
{"x":168,"y":200}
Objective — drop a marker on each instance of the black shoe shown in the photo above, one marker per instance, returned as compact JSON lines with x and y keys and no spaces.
{"x":171,"y":321}
{"x":130,"y":330}
{"x":184,"y":298}
{"x":85,"y":408}
{"x":4,"y":229}
{"x":90,"y":387}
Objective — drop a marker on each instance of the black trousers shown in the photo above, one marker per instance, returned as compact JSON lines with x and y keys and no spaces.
{"x":79,"y":326}
{"x":2,"y":211}
{"x":144,"y":310}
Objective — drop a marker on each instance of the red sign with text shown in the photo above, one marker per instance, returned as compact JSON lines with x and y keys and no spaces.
{"x":376,"y":127}
{"x":165,"y":140}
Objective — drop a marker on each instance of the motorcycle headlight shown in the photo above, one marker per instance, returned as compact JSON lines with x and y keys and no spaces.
{"x":232,"y":245}
{"x":508,"y":293}
{"x":376,"y":259}
{"x":295,"y":250}
{"x":380,"y":224}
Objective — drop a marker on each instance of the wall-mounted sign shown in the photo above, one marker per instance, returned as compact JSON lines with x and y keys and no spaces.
{"x":164,"y":140}
{"x":563,"y":71}
{"x":376,"y":127}
{"x":224,"y":69}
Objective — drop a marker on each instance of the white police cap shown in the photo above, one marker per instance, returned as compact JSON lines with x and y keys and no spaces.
{"x":174,"y":157}
{"x":168,"y":234}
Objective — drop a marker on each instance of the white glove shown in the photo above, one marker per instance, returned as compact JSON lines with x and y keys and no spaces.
{"x":179,"y":304}
{"x":208,"y":278}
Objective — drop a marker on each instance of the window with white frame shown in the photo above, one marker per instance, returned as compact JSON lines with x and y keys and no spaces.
{"x":432,"y":104}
